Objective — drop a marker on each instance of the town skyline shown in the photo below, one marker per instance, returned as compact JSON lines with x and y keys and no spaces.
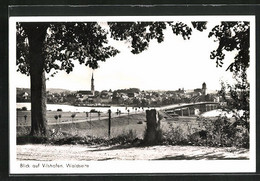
{"x":126,"y":97}
{"x":108,"y":89}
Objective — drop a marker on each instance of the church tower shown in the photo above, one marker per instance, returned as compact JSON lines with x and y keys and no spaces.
{"x":204,"y":89}
{"x":92,"y":85}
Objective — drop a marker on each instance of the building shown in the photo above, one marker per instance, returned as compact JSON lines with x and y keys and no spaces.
{"x":87,"y":95}
{"x":200,"y":94}
{"x":204,"y":89}
{"x":90,"y":92}
{"x":92,"y":85}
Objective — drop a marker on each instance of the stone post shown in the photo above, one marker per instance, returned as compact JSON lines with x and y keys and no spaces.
{"x":153,"y":134}
{"x":109,"y":122}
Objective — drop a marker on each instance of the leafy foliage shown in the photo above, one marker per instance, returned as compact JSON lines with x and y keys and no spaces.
{"x":221,"y":132}
{"x":22,"y":51}
{"x":199,"y":25}
{"x":88,"y":43}
{"x":65,"y":42}
{"x":139,"y":34}
{"x":225,"y":132}
{"x":232,"y":36}
{"x":237,"y":98}
{"x":180,"y":28}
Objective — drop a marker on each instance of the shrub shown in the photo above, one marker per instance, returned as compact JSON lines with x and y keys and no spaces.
{"x":59,"y":109}
{"x":24,"y":108}
{"x":126,"y":138}
{"x":174,"y":136}
{"x":93,"y":111}
{"x":56,"y":117}
{"x":57,"y":137}
{"x":220,"y":132}
{"x":224,"y":132}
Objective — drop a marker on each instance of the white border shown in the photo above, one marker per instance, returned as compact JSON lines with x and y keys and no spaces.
{"x":174,"y":166}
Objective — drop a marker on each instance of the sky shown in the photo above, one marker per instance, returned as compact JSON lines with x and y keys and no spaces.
{"x":175,"y":63}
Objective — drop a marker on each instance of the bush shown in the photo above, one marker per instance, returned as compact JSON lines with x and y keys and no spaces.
{"x":125,"y":138}
{"x":58,"y":137}
{"x":221,"y":132}
{"x":224,"y":132}
{"x":24,"y":108}
{"x":140,"y":122}
{"x":93,"y":111}
{"x":59,"y":109}
{"x":175,"y":136}
{"x":56,"y":117}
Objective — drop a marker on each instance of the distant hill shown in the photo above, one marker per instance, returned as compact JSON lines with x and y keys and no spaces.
{"x":52,"y":90}
{"x":22,"y":90}
{"x":57,"y":90}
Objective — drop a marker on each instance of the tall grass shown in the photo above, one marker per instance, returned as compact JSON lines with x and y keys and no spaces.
{"x":221,"y":132}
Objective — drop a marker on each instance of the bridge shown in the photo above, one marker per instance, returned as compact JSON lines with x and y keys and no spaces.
{"x":189,"y":109}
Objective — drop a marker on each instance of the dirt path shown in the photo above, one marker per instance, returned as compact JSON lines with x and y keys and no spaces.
{"x":83,"y":152}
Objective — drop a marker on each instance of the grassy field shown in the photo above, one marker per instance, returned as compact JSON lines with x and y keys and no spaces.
{"x":94,"y":126}
{"x":98,"y":127}
{"x":131,"y":128}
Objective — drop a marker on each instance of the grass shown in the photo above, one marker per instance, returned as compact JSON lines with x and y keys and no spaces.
{"x":127,"y":129}
{"x":99,"y":128}
{"x":123,"y":129}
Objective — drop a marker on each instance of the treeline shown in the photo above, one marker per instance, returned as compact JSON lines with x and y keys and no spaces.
{"x":130,"y":90}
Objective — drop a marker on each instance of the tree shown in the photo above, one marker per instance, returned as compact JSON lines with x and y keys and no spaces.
{"x":234,"y":36}
{"x":139,"y":34}
{"x":56,"y":117}
{"x":44,"y":47}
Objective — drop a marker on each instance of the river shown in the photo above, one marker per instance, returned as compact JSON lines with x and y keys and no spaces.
{"x":70,"y":108}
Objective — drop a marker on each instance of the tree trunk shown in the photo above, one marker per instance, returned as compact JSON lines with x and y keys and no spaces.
{"x":38,"y":103}
{"x":36,"y":35}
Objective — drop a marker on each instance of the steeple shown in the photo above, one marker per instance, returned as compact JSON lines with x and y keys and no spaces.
{"x":92,"y":85}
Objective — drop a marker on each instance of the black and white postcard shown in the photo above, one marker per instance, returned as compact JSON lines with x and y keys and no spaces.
{"x":132,"y":94}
